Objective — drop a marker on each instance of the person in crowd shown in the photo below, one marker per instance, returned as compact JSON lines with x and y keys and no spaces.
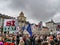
{"x":57,"y":39}
{"x":51,"y":40}
{"x":21,"y":42}
{"x":45,"y":43}
{"x":27,"y":40}
{"x":45,"y":36}
{"x":17,"y":39}
{"x":36,"y":40}
{"x":40,"y":40}
{"x":33,"y":40}
{"x":1,"y":40}
{"x":13,"y":40}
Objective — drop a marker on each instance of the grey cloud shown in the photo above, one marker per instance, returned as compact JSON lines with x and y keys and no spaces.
{"x":18,"y":4}
{"x":39,"y":9}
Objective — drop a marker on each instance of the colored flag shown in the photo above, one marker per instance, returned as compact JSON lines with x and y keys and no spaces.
{"x":28,"y":28}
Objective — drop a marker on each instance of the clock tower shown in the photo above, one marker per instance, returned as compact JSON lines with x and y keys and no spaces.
{"x":21,"y":19}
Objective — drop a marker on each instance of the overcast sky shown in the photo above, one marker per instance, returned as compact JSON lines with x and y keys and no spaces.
{"x":34,"y":10}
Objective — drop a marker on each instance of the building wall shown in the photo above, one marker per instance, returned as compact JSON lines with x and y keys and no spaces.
{"x":44,"y":31}
{"x":52,"y":27}
{"x":35,"y":29}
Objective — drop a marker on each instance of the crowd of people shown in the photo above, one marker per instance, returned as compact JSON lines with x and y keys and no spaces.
{"x":35,"y":39}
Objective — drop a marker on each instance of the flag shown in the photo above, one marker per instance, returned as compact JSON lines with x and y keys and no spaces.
{"x":28,"y":28}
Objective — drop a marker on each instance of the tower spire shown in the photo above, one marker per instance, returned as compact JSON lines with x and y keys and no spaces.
{"x":21,"y":14}
{"x":52,"y":20}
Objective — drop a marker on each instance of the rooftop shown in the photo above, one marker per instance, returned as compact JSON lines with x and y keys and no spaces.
{"x":6,"y":16}
{"x":51,"y":22}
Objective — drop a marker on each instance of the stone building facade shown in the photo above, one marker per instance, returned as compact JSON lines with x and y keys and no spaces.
{"x":45,"y":30}
{"x":52,"y":26}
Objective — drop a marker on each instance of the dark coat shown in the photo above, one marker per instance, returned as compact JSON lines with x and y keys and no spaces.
{"x":56,"y":41}
{"x":27,"y":42}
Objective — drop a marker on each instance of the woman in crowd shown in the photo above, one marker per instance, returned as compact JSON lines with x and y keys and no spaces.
{"x":21,"y":42}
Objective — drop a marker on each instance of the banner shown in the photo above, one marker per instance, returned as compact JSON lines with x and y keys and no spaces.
{"x":10,"y":25}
